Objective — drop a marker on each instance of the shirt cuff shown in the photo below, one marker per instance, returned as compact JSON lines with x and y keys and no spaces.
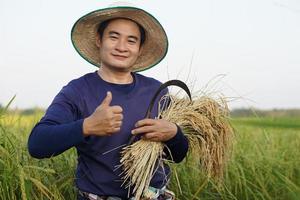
{"x":177,"y":138}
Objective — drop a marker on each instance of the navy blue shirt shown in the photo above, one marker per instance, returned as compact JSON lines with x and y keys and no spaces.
{"x":61,"y":129}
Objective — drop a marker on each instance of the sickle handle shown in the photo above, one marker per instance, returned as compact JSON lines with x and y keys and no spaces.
{"x":163,"y":86}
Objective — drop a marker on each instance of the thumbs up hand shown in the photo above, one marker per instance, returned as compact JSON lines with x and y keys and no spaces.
{"x":105,"y":120}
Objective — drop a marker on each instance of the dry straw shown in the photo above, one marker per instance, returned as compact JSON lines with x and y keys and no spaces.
{"x":204,"y":122}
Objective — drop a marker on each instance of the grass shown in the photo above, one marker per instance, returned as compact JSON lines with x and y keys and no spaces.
{"x":265,"y":164}
{"x":270,"y":122}
{"x":22,"y":177}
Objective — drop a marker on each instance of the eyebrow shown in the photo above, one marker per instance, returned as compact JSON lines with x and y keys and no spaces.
{"x":130,"y":36}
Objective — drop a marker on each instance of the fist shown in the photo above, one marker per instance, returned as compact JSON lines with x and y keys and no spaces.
{"x":158,"y":130}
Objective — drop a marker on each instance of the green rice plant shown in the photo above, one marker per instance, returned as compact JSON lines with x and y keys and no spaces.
{"x":264,"y":165}
{"x":23,"y":177}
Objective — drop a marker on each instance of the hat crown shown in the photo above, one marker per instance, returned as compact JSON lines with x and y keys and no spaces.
{"x":84,"y":33}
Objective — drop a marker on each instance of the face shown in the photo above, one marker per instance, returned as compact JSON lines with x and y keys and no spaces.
{"x":119,"y":45}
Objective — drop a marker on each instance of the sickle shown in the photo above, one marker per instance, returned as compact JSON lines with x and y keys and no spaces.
{"x":163,"y":86}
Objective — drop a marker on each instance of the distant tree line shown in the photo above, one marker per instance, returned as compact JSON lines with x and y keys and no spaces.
{"x":27,"y":111}
{"x":238,"y":112}
{"x":31,"y":111}
{"x":250,"y":112}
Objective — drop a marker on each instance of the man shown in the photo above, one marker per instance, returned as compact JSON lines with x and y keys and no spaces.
{"x":100,"y":111}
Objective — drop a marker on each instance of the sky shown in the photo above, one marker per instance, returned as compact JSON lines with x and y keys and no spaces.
{"x":246,"y":50}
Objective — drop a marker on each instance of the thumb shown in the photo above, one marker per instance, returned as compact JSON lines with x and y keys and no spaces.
{"x":106,"y":101}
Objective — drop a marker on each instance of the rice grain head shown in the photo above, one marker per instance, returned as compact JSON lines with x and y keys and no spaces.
{"x":204,"y":121}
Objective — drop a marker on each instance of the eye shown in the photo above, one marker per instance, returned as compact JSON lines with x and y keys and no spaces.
{"x":114,"y":37}
{"x":132,"y":41}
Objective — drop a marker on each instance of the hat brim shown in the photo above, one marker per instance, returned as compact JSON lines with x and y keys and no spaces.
{"x":84,"y":31}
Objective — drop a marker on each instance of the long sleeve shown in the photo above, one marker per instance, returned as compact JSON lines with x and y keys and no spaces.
{"x":177,"y":146}
{"x":60,"y":128}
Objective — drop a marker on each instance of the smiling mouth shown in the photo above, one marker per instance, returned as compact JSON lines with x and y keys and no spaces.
{"x":119,"y":57}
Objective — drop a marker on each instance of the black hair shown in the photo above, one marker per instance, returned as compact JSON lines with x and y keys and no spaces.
{"x":105,"y":23}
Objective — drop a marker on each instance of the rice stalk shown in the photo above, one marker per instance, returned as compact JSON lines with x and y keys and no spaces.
{"x":139,"y":161}
{"x":204,"y":121}
{"x":22,"y":183}
{"x":41,"y":187}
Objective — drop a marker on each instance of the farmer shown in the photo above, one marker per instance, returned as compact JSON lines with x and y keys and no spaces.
{"x":100,"y":111}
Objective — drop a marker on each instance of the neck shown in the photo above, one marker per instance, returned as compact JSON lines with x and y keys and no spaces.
{"x":118,"y":77}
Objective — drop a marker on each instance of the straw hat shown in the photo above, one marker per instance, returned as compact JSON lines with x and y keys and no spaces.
{"x":84,"y":33}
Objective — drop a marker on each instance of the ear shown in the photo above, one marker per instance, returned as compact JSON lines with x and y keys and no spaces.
{"x":141,"y":49}
{"x":98,"y":41}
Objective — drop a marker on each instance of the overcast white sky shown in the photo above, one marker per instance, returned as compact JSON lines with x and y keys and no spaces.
{"x":255,"y":43}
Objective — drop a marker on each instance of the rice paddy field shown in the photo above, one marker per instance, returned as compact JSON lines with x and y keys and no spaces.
{"x":265,"y":164}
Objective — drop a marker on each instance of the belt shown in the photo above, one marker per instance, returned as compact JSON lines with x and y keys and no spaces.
{"x":91,"y":196}
{"x":151,"y":194}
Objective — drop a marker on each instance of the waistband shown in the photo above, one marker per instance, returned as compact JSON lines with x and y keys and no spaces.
{"x":90,"y":196}
{"x":150,"y":194}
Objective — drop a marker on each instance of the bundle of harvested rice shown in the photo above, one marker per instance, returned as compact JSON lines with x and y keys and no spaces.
{"x":139,"y":161}
{"x":204,"y":121}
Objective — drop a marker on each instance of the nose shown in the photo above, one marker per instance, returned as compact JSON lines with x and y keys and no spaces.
{"x":121,"y":45}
